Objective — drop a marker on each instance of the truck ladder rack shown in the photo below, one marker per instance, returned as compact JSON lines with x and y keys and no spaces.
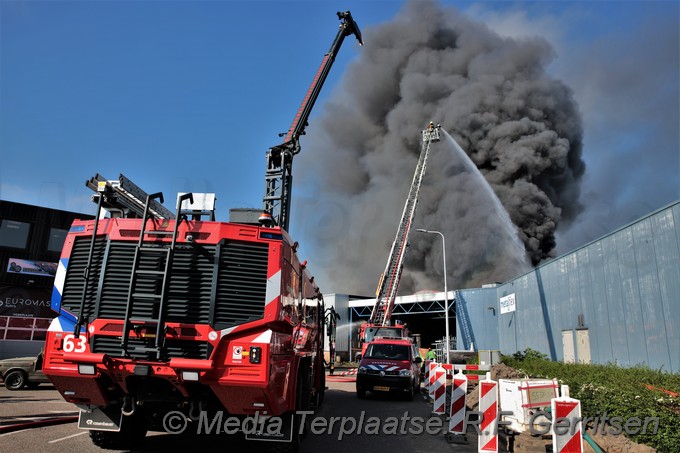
{"x":123,"y":198}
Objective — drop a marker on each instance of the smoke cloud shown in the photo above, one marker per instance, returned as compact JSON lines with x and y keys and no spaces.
{"x":520,"y":127}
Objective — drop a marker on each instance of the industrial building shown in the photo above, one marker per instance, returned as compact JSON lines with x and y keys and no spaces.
{"x":31,"y":238}
{"x":616,"y":299}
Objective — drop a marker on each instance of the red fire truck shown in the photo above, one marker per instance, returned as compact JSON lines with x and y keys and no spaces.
{"x":163,"y":314}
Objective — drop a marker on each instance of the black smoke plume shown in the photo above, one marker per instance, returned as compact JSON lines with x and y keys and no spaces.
{"x":520,"y":126}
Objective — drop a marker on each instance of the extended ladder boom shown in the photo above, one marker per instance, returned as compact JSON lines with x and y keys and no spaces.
{"x":278,"y":176}
{"x":389,"y":282}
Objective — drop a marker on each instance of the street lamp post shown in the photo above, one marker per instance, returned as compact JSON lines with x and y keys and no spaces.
{"x":446,"y":290}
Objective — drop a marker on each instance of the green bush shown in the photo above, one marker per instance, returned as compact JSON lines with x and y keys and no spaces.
{"x":616,"y":391}
{"x":529,"y":354}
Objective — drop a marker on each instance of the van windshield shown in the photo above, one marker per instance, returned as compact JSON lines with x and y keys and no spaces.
{"x":387,"y":351}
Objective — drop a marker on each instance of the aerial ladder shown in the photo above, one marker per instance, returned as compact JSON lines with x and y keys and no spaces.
{"x":389,"y":280}
{"x":278,"y":176}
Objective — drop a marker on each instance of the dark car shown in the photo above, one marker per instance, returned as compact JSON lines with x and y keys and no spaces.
{"x":22,"y":372}
{"x":389,"y":365}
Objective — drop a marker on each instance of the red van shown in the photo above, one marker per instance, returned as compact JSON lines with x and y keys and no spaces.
{"x":389,"y":365}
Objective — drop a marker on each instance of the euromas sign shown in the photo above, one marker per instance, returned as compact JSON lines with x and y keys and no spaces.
{"x":25,"y":302}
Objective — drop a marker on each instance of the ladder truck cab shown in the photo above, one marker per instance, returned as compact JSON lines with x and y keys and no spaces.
{"x":164,"y":315}
{"x":378,"y":324}
{"x":389,"y":365}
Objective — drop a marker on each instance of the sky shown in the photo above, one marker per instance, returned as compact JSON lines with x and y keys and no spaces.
{"x":188,"y":96}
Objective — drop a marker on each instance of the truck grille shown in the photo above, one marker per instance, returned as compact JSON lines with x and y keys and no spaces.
{"x":241,"y":284}
{"x":199,"y":291}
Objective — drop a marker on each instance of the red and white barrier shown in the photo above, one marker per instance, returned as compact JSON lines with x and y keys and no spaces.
{"x":472,"y":367}
{"x":488,"y":406}
{"x":566,"y":424}
{"x":450,"y":369}
{"x":430,"y":379}
{"x":457,"y":408}
{"x":439,"y":406}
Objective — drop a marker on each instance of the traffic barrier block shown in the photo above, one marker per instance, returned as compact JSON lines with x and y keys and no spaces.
{"x":430,"y":379}
{"x":566,"y":426}
{"x":439,"y":406}
{"x":457,"y":408}
{"x":488,"y":406}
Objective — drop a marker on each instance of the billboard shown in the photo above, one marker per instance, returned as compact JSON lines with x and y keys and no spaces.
{"x":30,"y":267}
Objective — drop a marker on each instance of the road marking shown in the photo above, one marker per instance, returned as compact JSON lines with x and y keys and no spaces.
{"x":67,"y":437}
{"x":37,"y":402}
{"x":13,"y":432}
{"x":34,"y":418}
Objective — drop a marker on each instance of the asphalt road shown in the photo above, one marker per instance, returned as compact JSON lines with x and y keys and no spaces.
{"x":388,"y":423}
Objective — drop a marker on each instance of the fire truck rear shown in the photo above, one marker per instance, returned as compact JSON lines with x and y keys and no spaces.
{"x":182,"y":315}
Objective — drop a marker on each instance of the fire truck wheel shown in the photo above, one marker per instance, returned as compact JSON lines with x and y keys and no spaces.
{"x":15,"y":380}
{"x":129,"y":436}
{"x":302,"y":403}
{"x":322,"y":390}
{"x":303,"y":396}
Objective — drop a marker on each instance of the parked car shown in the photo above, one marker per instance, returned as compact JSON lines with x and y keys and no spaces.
{"x":389,"y":365}
{"x":22,"y":372}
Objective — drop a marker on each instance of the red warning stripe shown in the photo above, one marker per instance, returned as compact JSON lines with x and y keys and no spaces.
{"x":491,"y":445}
{"x":574,"y":444}
{"x":489,"y":417}
{"x":486,"y":388}
{"x":456,"y":407}
{"x":564,"y":408}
